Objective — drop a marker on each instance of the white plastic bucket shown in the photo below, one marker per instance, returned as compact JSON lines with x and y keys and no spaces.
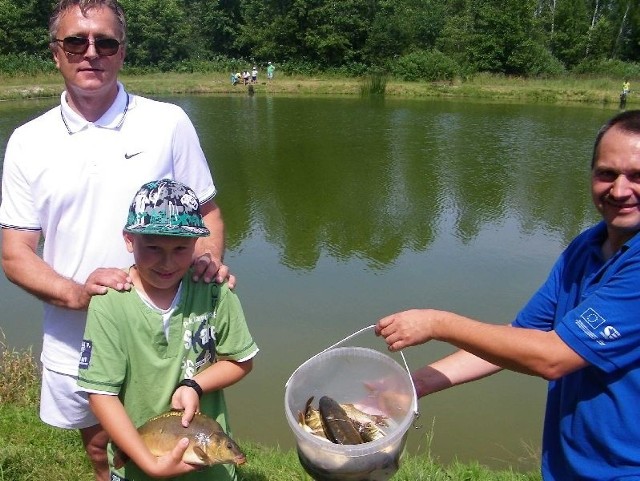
{"x":343,"y":374}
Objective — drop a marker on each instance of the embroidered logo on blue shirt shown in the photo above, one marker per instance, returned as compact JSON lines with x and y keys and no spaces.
{"x":611,"y":333}
{"x":592,"y":318}
{"x":85,"y":354}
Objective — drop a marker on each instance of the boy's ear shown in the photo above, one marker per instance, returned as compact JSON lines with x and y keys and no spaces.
{"x":128,"y":240}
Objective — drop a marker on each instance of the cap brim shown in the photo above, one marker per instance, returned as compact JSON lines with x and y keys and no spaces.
{"x":171,"y":230}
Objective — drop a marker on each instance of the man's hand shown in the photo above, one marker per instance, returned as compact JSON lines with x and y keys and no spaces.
{"x":98,"y":283}
{"x":407,"y":328}
{"x":209,"y":269}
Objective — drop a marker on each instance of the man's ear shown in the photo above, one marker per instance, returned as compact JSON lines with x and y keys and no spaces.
{"x":55,"y":51}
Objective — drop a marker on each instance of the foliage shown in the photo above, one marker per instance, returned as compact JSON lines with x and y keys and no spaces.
{"x":19,"y":376}
{"x":158,"y":33}
{"x":23,"y":26}
{"x":513,"y":37}
{"x":374,"y":84}
{"x":532,"y":59}
{"x":23,"y":64}
{"x":424,"y":65}
{"x":614,"y":68}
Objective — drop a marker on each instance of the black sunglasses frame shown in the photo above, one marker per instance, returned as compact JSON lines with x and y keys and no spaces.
{"x":76,"y":45}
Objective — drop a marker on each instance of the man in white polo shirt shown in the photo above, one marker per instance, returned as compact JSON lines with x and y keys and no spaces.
{"x":68,"y":175}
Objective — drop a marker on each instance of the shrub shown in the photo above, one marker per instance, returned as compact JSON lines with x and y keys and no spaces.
{"x":532,"y":59}
{"x":24,"y":64}
{"x":426,"y":65}
{"x":608,"y":67}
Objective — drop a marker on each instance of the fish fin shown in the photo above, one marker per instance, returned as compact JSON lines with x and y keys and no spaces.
{"x":201,"y":455}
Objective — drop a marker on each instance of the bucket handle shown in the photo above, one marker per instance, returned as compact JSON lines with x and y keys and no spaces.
{"x":359,"y":331}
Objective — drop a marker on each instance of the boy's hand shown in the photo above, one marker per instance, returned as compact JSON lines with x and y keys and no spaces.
{"x":186,"y":399}
{"x":171,"y":464}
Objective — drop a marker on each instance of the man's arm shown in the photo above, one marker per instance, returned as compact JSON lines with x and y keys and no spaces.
{"x":209,"y":253}
{"x":25,"y":268}
{"x":457,"y":368}
{"x":528,"y":351}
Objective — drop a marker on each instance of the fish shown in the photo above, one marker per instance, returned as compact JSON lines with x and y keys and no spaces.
{"x":337,"y":425}
{"x":310,"y":420}
{"x":362,"y":417}
{"x":208,"y":443}
{"x":369,"y":431}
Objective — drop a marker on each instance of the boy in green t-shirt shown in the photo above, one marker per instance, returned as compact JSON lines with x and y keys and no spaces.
{"x":168,"y":343}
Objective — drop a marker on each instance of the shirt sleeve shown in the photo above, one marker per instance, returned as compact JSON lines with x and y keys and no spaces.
{"x":233,"y":339}
{"x":540,"y":312}
{"x":603,"y":328}
{"x":102,"y":360}
{"x":17,"y":210}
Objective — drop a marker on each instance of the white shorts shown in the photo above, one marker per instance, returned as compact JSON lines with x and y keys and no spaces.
{"x":62,"y":403}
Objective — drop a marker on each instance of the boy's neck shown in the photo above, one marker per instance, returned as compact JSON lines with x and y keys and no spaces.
{"x":161,"y":298}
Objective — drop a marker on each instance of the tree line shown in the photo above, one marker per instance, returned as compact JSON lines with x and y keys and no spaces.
{"x":411,"y":39}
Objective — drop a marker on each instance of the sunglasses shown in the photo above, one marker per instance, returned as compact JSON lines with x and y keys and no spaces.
{"x":79,"y":45}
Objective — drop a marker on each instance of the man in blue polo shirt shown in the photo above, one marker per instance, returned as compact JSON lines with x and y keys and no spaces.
{"x":580,"y":331}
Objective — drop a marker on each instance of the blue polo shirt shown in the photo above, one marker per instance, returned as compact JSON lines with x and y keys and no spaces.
{"x":592,"y":421}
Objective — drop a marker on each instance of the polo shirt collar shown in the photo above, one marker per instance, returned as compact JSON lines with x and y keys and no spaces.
{"x":600,"y":235}
{"x":111,"y":119}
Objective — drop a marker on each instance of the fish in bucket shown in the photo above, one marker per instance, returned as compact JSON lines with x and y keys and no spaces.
{"x":350,"y":385}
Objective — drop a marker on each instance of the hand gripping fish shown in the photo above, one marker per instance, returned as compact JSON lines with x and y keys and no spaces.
{"x":208,"y":443}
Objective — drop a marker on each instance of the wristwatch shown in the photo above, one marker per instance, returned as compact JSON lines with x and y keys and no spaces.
{"x":191,"y":383}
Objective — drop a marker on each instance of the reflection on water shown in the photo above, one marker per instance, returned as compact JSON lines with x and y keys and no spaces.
{"x":341,"y":210}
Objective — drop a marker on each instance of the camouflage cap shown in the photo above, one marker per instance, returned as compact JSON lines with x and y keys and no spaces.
{"x":166,"y":207}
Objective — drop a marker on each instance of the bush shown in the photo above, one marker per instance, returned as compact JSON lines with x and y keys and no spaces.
{"x":426,"y":65}
{"x":532,"y":59}
{"x":298,"y":67}
{"x":24,"y":64}
{"x":608,"y":68}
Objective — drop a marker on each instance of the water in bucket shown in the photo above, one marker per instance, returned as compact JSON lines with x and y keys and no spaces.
{"x":360,"y":376}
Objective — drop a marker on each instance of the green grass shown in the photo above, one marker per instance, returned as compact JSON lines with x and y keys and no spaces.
{"x":564,"y":90}
{"x":33,"y":451}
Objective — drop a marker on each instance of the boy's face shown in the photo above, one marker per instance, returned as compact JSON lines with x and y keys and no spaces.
{"x":161,"y":261}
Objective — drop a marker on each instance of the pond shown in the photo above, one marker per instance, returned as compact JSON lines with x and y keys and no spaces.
{"x":339,"y":211}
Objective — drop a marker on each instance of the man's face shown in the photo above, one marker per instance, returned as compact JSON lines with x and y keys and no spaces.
{"x":615,"y":184}
{"x":89,"y":72}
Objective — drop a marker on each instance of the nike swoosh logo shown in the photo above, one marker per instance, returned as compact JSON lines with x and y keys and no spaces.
{"x":128,"y":156}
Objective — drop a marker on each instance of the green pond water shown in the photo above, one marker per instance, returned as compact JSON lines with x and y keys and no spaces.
{"x":342,"y":210}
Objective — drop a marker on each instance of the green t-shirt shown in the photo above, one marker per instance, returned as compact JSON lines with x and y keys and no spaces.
{"x":125,"y":352}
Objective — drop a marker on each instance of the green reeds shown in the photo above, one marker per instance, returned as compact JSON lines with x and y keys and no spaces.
{"x":374,"y":84}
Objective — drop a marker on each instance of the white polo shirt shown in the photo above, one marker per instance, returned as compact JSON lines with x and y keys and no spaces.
{"x":74,"y":180}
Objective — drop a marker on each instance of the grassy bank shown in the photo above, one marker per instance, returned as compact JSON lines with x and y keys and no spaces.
{"x":485,"y":87}
{"x":31,"y":450}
